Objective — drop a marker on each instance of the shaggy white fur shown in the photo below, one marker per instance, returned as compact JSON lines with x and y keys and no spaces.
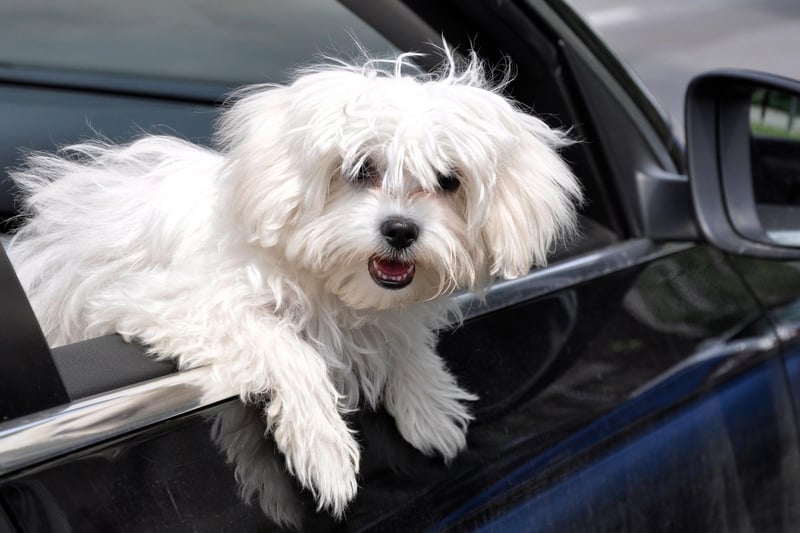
{"x":308,"y":259}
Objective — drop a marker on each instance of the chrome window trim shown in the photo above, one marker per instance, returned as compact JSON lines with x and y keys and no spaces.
{"x":36,"y":438}
{"x":47,"y":434}
{"x":565,"y":273}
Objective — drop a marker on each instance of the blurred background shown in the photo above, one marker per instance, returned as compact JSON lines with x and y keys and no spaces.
{"x":668,"y":42}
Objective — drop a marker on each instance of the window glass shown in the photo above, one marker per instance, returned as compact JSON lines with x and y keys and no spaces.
{"x":774,"y":149}
{"x":232,"y":42}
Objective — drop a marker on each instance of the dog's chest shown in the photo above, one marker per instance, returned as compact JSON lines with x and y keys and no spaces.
{"x":358,"y":358}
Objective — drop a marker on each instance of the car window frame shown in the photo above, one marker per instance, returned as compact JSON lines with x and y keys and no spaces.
{"x":46,"y":434}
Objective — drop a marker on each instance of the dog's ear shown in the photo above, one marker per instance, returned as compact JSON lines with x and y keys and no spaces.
{"x":262,"y":179}
{"x":533,"y":202}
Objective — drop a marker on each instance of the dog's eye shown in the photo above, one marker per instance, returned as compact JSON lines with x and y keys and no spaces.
{"x":448,"y":182}
{"x":366,"y":173}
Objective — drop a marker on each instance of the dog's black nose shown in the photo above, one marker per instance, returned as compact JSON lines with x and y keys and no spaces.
{"x":399,"y":232}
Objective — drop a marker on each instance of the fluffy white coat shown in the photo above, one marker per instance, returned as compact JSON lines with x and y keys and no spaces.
{"x":258,"y":258}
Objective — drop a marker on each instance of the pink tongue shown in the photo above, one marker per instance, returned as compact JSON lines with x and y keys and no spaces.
{"x":392,"y":268}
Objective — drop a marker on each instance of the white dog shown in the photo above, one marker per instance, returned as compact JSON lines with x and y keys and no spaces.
{"x":307,"y":260}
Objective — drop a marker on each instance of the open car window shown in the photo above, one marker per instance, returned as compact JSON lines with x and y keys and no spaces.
{"x":251,"y":42}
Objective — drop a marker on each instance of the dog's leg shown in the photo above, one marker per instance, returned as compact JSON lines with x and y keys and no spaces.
{"x":253,"y":355}
{"x":303,"y":413}
{"x":427,"y":403}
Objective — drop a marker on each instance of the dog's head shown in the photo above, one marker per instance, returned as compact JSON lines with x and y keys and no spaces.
{"x":393,"y":188}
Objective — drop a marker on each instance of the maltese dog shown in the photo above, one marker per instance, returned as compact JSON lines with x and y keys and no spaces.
{"x":308,"y":259}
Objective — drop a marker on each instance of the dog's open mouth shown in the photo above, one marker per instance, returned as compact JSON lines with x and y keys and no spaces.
{"x":391,"y":273}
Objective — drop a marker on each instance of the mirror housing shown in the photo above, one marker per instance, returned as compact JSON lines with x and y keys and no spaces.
{"x":743,"y":151}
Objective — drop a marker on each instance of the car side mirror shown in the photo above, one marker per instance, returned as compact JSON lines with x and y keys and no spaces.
{"x":743,"y":148}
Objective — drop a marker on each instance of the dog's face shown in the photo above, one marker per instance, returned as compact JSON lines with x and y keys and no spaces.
{"x":393,"y":189}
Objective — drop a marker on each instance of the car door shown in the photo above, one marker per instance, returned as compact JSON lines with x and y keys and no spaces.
{"x":776,"y":285}
{"x":635,"y":384}
{"x":607,"y":405}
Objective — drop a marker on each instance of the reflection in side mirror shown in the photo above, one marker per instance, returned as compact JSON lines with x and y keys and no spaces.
{"x":775,"y":163}
{"x":743,"y":153}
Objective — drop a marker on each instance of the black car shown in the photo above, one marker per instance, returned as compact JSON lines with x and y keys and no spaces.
{"x":647,"y":380}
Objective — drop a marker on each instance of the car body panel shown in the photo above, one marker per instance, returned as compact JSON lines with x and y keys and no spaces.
{"x":585,"y":384}
{"x":701,"y":469}
{"x":776,"y":285}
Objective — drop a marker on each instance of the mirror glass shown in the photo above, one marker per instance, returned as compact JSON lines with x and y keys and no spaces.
{"x":775,"y":161}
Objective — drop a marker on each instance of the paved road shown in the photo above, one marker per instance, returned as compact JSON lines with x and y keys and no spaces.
{"x":668,"y":42}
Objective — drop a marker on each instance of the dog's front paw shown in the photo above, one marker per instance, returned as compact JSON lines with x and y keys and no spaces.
{"x":324,"y":457}
{"x":434,"y":421}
